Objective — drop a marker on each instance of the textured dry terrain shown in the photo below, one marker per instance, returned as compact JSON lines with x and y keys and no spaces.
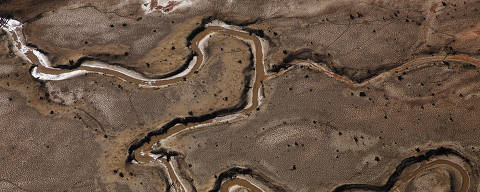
{"x":230,"y":95}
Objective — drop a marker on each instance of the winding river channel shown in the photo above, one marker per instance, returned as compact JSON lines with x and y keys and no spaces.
{"x":407,"y":177}
{"x":141,"y":151}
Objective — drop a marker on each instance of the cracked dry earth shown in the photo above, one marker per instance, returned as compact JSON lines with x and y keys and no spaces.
{"x":229,"y":95}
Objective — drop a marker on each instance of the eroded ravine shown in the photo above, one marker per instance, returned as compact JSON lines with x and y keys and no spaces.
{"x":140,"y":152}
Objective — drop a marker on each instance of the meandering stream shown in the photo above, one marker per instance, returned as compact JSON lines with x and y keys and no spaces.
{"x":141,"y":151}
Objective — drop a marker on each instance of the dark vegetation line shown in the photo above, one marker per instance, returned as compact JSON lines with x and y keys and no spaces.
{"x":258,"y":32}
{"x":303,"y":54}
{"x":233,"y":172}
{"x":76,"y":64}
{"x":185,"y":120}
{"x":35,"y":18}
{"x":38,"y":49}
{"x":354,"y":74}
{"x":229,"y":174}
{"x":195,"y":119}
{"x":209,"y":19}
{"x":327,"y":59}
{"x":166,"y":153}
{"x":199,"y":29}
{"x":241,"y":24}
{"x":180,"y":120}
{"x":441,"y":151}
{"x":180,"y":159}
{"x":182,"y":68}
